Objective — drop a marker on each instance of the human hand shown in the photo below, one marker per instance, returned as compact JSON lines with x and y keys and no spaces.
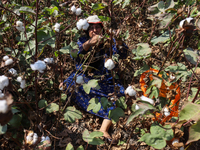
{"x":95,"y":39}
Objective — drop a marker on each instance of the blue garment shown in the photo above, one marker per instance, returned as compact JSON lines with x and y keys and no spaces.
{"x":106,"y":84}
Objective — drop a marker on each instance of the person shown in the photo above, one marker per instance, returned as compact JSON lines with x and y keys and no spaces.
{"x":93,"y":35}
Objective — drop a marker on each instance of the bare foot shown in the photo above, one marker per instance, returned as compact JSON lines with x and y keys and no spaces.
{"x":105,"y":134}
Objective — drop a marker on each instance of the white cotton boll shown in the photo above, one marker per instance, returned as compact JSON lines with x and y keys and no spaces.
{"x":109,"y":64}
{"x":19,"y":23}
{"x":79,"y":80}
{"x":130,"y":91}
{"x":146,"y":99}
{"x":166,"y":111}
{"x":172,"y":77}
{"x":181,"y":23}
{"x":20,"y":28}
{"x":9,"y":61}
{"x":85,"y":27}
{"x":73,"y":9}
{"x":13,"y":71}
{"x":23,"y":84}
{"x":137,"y":107}
{"x":42,"y":139}
{"x":48,"y":60}
{"x":35,"y":138}
{"x":47,"y":138}
{"x":175,"y":141}
{"x":78,"y":26}
{"x":189,"y":19}
{"x":29,"y":138}
{"x":84,"y":22}
{"x":56,"y":27}
{"x":3,"y":106}
{"x":4,"y":81}
{"x":78,"y":11}
{"x":19,"y":79}
{"x":5,"y":58}
{"x":39,"y":65}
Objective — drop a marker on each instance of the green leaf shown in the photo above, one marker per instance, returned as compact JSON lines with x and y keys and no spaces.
{"x":91,"y":84}
{"x":126,"y":2}
{"x":91,"y":138}
{"x":3,"y":129}
{"x":121,"y":102}
{"x":104,"y":18}
{"x":105,"y":103}
{"x":194,"y":91}
{"x":94,"y":105}
{"x":26,"y":9}
{"x":154,"y":141}
{"x":141,"y":70}
{"x":191,"y":55}
{"x":161,"y":6}
{"x":16,"y":120}
{"x":69,"y":147}
{"x":115,"y":114}
{"x":66,"y":49}
{"x":53,"y":107}
{"x":14,"y":110}
{"x":80,"y":148}
{"x":98,"y":6}
{"x":161,"y":39}
{"x":71,"y":114}
{"x":42,"y":103}
{"x":143,"y":51}
{"x":169,"y":134}
{"x":190,"y":111}
{"x":194,"y":134}
{"x":154,"y":92}
{"x":63,"y":97}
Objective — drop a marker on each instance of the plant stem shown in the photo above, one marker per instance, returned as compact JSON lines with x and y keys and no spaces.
{"x":196,"y":95}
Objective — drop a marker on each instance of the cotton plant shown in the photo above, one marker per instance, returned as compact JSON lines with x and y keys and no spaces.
{"x":13,"y":72}
{"x":130,"y":91}
{"x":146,"y":99}
{"x":20,"y":26}
{"x":76,"y":11}
{"x":22,"y":82}
{"x":48,"y":60}
{"x":39,"y":66}
{"x":82,"y":24}
{"x":79,"y":80}
{"x":56,"y":27}
{"x":109,"y":64}
{"x":166,"y":111}
{"x":4,"y":81}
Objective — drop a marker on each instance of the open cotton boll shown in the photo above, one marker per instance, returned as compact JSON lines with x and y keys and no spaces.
{"x":78,"y":11}
{"x":56,"y":27}
{"x":39,"y":65}
{"x":85,"y":27}
{"x":166,"y":111}
{"x":13,"y":71}
{"x":23,"y":84}
{"x":130,"y":91}
{"x":146,"y":99}
{"x":79,"y":80}
{"x":48,"y":60}
{"x":73,"y":9}
{"x":19,"y":79}
{"x":4,"y":81}
{"x":109,"y":64}
{"x":3,"y":106}
{"x":9,"y":61}
{"x":19,"y":23}
{"x":43,"y":138}
{"x":5,"y":58}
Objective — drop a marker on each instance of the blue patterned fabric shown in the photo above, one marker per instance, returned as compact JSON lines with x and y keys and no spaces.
{"x":106,"y":84}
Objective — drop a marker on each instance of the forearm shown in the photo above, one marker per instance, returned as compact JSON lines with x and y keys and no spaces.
{"x":86,"y":45}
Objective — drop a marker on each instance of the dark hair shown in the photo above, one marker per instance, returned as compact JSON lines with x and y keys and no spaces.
{"x":87,"y":31}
